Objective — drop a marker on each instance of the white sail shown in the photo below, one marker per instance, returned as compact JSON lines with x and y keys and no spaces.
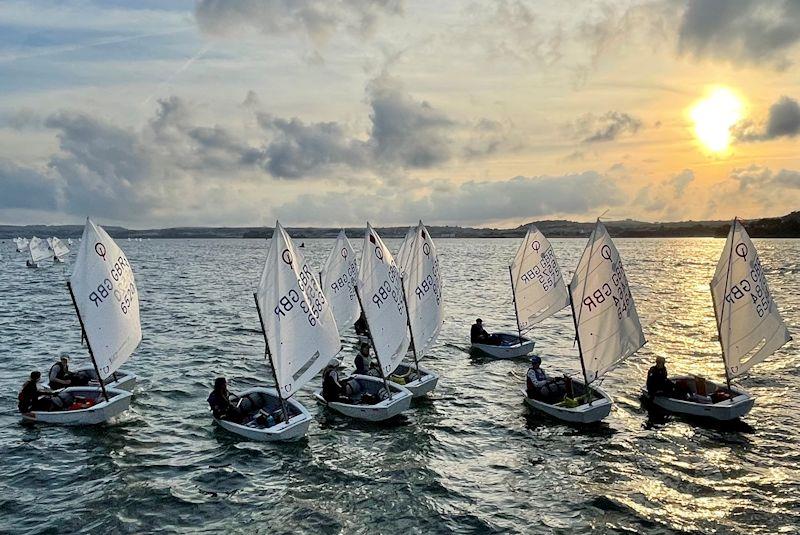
{"x":750,"y":326}
{"x":60,"y":250}
{"x":608,"y":327}
{"x":404,"y":251}
{"x":38,"y":250}
{"x":423,"y":285}
{"x":339,"y":277}
{"x":22,"y":244}
{"x":50,"y":243}
{"x":381,"y":294}
{"x":539,"y":289}
{"x":296,"y":316}
{"x":105,"y":293}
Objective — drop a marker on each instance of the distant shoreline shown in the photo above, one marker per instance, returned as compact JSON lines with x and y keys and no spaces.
{"x":787,"y":226}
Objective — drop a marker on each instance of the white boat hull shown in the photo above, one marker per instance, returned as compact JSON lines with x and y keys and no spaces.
{"x":384,"y":410}
{"x":120,"y":379}
{"x":587,"y":413}
{"x":118,"y":402}
{"x":726,"y":410}
{"x":419,"y":387}
{"x":511,"y":347}
{"x":293,"y":429}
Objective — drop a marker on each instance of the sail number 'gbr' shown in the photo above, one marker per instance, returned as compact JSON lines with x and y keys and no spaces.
{"x":546,"y":271}
{"x":310,"y":301}
{"x":123,"y":288}
{"x":755,"y":288}
{"x":616,"y":289}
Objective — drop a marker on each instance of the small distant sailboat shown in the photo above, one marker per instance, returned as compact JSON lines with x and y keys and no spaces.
{"x":21,"y":243}
{"x":69,"y":241}
{"x":38,"y":252}
{"x":106,"y":302}
{"x":749,"y":326}
{"x":422,"y":296}
{"x":50,"y":242}
{"x":607,"y":328}
{"x":60,"y":251}
{"x":380,"y":295}
{"x":300,"y":338}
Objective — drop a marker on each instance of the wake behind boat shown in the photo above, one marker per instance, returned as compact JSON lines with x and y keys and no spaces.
{"x":749,"y":327}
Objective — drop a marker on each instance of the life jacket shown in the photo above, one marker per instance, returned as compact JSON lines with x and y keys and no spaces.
{"x":62,"y":374}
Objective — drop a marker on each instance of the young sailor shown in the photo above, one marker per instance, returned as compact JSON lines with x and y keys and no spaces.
{"x":220,"y":402}
{"x":362,"y":360}
{"x":477,"y":334}
{"x":332,"y":388}
{"x":539,"y":385}
{"x":60,"y":376}
{"x":30,"y":396}
{"x":658,"y":382}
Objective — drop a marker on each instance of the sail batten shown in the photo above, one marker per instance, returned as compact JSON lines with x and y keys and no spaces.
{"x":750,"y":326}
{"x":381,"y":292}
{"x":297,"y":318}
{"x":537,"y":283}
{"x":339,"y":277}
{"x":604,"y":311}
{"x":105,"y":293}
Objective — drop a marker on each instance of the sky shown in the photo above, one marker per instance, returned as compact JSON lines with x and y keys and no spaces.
{"x":328,"y":113}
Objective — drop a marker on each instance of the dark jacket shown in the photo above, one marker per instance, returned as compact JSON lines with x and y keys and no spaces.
{"x":657,"y":381}
{"x":220,"y":405}
{"x":330,"y":387}
{"x":28,"y":397}
{"x":361,"y":364}
{"x":478,"y":334}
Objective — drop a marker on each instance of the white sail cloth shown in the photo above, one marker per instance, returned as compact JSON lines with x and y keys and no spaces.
{"x":105,"y":294}
{"x":38,"y":250}
{"x":539,"y":289}
{"x":607,"y":324}
{"x":60,"y":250}
{"x":295,"y":315}
{"x":404,"y":252}
{"x":381,"y":293}
{"x":750,"y":326}
{"x":339,"y":278}
{"x":423,"y":287}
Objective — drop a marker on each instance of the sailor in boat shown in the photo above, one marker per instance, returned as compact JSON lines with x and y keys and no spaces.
{"x":61,"y":377}
{"x":30,"y":397}
{"x":362,"y":360}
{"x":540,"y":386}
{"x":478,"y":335}
{"x":332,"y":387}
{"x":658,"y":382}
{"x":221,"y":404}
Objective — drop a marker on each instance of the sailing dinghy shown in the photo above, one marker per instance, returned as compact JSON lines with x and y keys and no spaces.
{"x":38,"y":252}
{"x":422,"y":295}
{"x":60,"y":251}
{"x":106,"y":302}
{"x":300,"y":338}
{"x":538,"y":291}
{"x":607,"y":329}
{"x":379,"y":291}
{"x":749,"y":326}
{"x":22,"y":244}
{"x":338,"y":279}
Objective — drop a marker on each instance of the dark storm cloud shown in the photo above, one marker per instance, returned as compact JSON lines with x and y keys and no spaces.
{"x":477,"y":201}
{"x":607,"y":127}
{"x":741,"y":30}
{"x":318,"y":19}
{"x":24,"y":187}
{"x":783,"y":121}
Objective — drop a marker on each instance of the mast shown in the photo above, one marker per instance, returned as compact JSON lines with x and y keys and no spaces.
{"x":374,"y":347}
{"x":88,"y":345}
{"x":514,"y":298}
{"x":576,"y":318}
{"x":271,"y":362}
{"x":408,"y":321}
{"x":722,"y":310}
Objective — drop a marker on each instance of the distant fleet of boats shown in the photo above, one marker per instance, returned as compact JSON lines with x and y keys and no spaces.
{"x":399,"y":299}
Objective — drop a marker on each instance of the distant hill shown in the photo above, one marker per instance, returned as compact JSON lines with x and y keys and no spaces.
{"x":787,"y":226}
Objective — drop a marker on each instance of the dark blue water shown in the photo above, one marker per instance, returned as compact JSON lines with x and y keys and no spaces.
{"x":468,"y":460}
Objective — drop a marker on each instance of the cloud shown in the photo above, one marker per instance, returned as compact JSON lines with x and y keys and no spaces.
{"x":318,"y":19}
{"x":783,"y":121}
{"x":472,"y":202}
{"x":666,"y":197}
{"x":763,"y":178}
{"x":607,"y":127}
{"x":25,"y":187}
{"x":741,"y":30}
{"x":681,"y":181}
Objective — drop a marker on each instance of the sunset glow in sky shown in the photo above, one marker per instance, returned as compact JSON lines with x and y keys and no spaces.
{"x":327,"y":113}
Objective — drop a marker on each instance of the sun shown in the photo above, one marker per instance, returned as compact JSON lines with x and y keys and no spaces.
{"x":714,"y":116}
